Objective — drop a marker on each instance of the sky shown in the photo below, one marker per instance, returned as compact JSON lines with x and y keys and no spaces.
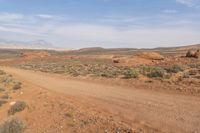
{"x":102,"y":23}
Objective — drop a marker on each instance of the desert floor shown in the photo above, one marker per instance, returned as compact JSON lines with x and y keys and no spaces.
{"x":58,"y":104}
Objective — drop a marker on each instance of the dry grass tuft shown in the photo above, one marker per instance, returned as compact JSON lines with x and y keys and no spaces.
{"x":17,"y":107}
{"x":12,"y":125}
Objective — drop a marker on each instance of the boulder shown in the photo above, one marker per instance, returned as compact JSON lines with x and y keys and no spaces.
{"x":192,"y":54}
{"x":197,"y":54}
{"x":150,"y":55}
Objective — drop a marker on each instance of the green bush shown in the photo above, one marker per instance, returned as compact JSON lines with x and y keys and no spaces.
{"x":152,"y":71}
{"x":17,"y":107}
{"x":146,"y":69}
{"x":130,"y":73}
{"x":176,"y":68}
{"x":12,"y":125}
{"x":156,"y":72}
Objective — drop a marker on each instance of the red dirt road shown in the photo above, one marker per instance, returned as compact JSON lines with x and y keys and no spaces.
{"x":164,"y":112}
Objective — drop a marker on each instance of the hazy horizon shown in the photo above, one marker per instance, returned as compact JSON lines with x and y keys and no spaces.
{"x":102,"y":23}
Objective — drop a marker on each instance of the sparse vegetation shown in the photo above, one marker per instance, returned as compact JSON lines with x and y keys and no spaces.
{"x":5,"y":96}
{"x":17,"y":107}
{"x":2,"y":101}
{"x":194,"y":65}
{"x":2,"y":72}
{"x":176,"y":68}
{"x":12,"y":125}
{"x":152,"y":71}
{"x":100,"y":69}
{"x":193,"y":72}
{"x":186,"y":75}
{"x":8,"y":84}
{"x":156,"y":72}
{"x":6,"y":79}
{"x":145,"y":69}
{"x":131,"y":73}
{"x":2,"y":89}
{"x":16,"y":86}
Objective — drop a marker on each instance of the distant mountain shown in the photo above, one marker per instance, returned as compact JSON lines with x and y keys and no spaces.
{"x":189,"y":47}
{"x":181,"y":48}
{"x":40,"y":43}
{"x":91,"y":49}
{"x":37,"y":44}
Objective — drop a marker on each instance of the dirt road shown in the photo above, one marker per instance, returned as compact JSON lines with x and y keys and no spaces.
{"x":165,"y":112}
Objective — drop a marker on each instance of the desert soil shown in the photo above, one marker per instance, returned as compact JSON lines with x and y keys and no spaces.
{"x":136,"y":108}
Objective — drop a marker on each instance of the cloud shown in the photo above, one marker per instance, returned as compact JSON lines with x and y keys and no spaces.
{"x":90,"y":35}
{"x":123,"y":19}
{"x":4,"y":16}
{"x":45,"y":16}
{"x":88,"y":32}
{"x":17,"y":30}
{"x":23,"y":24}
{"x":190,"y":3}
{"x":186,"y":2}
{"x":170,"y":11}
{"x":106,"y":31}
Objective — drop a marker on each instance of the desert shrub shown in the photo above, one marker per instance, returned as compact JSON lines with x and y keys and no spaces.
{"x":6,"y":96}
{"x":167,"y":76}
{"x":186,"y":75}
{"x":194,"y":65}
{"x":156,"y":72}
{"x":2,"y":102}
{"x":17,"y":107}
{"x":180,"y":78}
{"x":176,"y":68}
{"x":6,"y":79}
{"x":2,"y":89}
{"x":152,"y":71}
{"x":106,"y":74}
{"x":144,"y":69}
{"x":193,"y":72}
{"x":12,"y":125}
{"x":130,"y":73}
{"x":17,"y":86}
{"x":2,"y":72}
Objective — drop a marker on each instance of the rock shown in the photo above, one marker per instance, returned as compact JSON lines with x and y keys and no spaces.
{"x":150,"y":55}
{"x":192,"y":54}
{"x":197,"y":54}
{"x":12,"y":103}
{"x":115,"y":61}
